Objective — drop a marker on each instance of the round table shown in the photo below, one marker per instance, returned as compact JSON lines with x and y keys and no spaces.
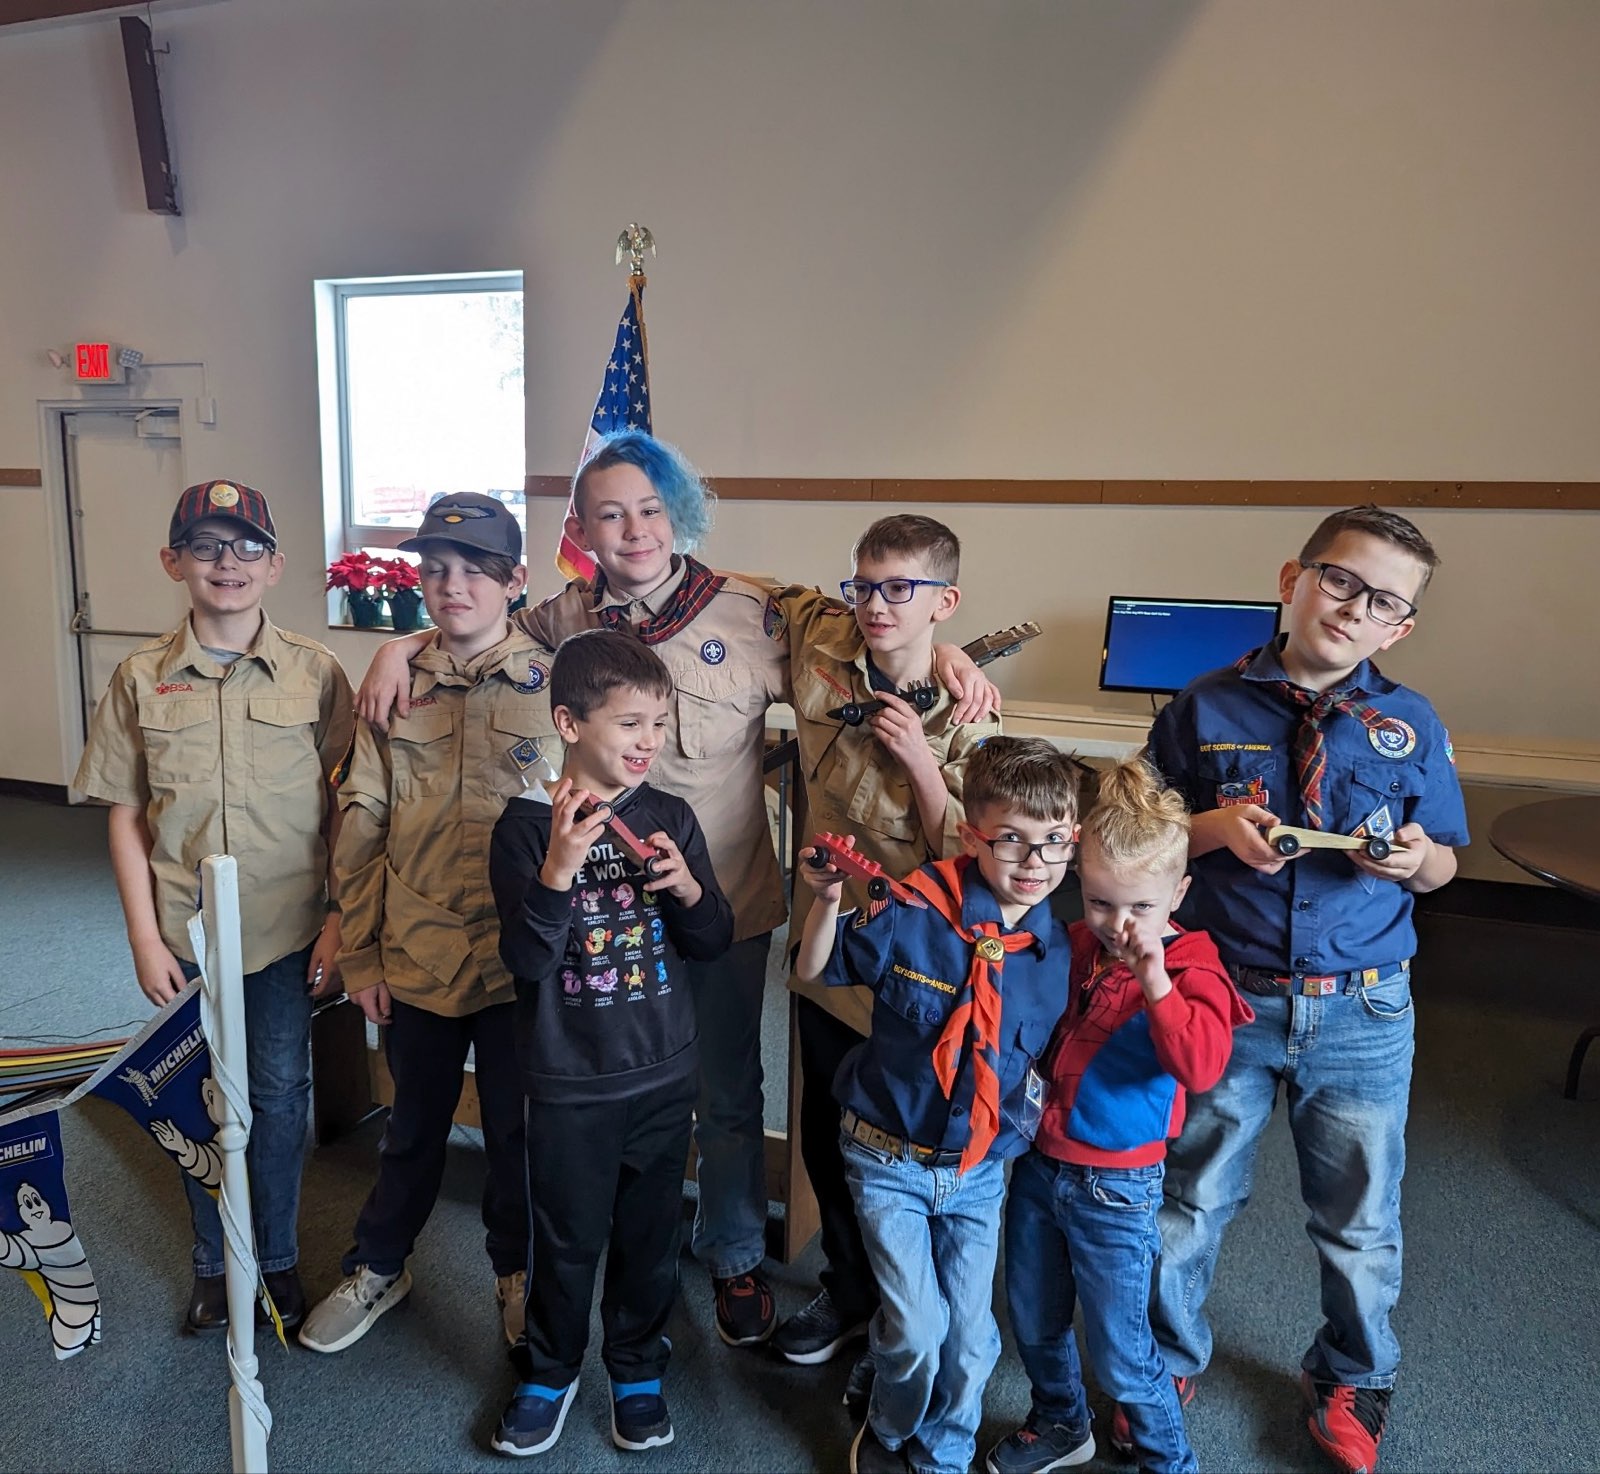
{"x":1559,"y":841}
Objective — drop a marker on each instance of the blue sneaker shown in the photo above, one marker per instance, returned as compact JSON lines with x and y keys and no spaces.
{"x":639,"y":1416}
{"x":533,"y":1419}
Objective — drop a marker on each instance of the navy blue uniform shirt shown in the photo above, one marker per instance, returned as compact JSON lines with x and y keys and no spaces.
{"x":917,"y":969}
{"x":1228,"y":738}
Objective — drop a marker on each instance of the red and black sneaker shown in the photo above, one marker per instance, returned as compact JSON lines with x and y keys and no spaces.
{"x":1347,"y":1422}
{"x":746,"y":1313}
{"x":1122,"y":1438}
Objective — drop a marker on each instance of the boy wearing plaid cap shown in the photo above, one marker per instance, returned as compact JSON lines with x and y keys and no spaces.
{"x":219,"y":737}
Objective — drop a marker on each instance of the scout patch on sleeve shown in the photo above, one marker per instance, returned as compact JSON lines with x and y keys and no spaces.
{"x":1449,"y":750}
{"x":774,"y":622}
{"x":1393,"y":738}
{"x":1245,"y":791}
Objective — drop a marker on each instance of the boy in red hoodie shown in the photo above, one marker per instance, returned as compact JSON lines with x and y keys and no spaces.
{"x":1151,"y":1015}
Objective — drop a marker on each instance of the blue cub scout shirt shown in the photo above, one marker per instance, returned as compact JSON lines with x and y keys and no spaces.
{"x":1228,"y":738}
{"x":916,"y":967}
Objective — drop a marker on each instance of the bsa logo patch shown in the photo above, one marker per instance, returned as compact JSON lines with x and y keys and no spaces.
{"x":1393,"y":738}
{"x":525,"y":754}
{"x":1379,"y":824}
{"x":713,"y":652}
{"x":1247,"y":791}
{"x":774,"y":622}
{"x":166,"y":688}
{"x":537,"y":676}
{"x":991,"y":949}
{"x":223,"y":495}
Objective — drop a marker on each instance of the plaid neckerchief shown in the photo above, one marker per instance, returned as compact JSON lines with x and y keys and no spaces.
{"x":1310,"y":760}
{"x":695,"y":590}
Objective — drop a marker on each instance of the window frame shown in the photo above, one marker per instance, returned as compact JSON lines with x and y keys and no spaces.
{"x":373,"y":534}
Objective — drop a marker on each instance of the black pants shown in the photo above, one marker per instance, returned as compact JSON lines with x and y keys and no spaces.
{"x":847,"y":1276}
{"x":427,"y":1053}
{"x":604,"y":1176}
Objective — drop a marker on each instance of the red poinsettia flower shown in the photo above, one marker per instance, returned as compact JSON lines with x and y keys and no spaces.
{"x":357,"y":571}
{"x":400,"y":574}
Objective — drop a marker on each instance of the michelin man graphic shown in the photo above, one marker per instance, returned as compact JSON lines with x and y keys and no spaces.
{"x":51,"y":1258}
{"x":202,"y":1160}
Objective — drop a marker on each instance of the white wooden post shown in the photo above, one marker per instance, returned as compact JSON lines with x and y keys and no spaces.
{"x":222,"y":984}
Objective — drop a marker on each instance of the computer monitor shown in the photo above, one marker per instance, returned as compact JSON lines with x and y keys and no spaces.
{"x":1160,"y":645}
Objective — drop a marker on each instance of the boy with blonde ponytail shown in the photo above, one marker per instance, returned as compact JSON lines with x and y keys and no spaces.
{"x":1150,"y":1015}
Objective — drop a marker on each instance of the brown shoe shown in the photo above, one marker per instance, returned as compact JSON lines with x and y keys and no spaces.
{"x":208,"y":1305}
{"x":288,"y":1294}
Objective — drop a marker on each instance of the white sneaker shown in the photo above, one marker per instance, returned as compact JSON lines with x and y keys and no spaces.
{"x":348,"y":1313}
{"x":510,"y":1293}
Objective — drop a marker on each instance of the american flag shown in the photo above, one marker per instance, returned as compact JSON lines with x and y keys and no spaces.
{"x":623,"y":403}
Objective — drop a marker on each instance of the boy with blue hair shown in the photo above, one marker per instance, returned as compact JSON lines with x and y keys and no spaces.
{"x":1307,"y":731}
{"x":968,"y":975}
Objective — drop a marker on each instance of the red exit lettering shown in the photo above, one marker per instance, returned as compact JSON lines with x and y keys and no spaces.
{"x":94,"y":360}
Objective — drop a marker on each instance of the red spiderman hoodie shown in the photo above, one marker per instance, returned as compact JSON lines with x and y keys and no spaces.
{"x":1119,"y":1068}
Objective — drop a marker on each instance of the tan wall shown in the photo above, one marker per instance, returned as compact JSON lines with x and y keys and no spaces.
{"x":915,"y":238}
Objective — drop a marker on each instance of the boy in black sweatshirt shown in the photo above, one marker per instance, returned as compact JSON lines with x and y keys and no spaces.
{"x":605,"y":1037}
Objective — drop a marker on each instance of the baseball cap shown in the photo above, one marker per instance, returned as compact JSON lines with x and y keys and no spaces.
{"x":474,"y":521}
{"x":231,"y":499}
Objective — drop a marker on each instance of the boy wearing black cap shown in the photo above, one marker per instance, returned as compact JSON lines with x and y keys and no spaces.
{"x":420,"y":938}
{"x":217,"y":738}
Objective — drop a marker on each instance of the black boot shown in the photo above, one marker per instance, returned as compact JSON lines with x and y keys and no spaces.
{"x":208,"y":1304}
{"x":288,"y":1294}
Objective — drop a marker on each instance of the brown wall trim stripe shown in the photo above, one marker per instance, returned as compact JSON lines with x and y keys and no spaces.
{"x":21,"y":476}
{"x":1520,"y":496}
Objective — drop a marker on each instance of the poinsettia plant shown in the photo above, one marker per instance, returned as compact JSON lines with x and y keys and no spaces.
{"x":361,"y":573}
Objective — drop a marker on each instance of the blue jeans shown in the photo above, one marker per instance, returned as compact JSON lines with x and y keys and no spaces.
{"x":1089,"y":1234}
{"x":730,"y":1223}
{"x":1344,"y":1063}
{"x":277,"y":1024}
{"x":933,"y":1236}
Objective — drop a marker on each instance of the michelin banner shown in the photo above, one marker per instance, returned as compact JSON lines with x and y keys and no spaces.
{"x":36,"y":1233}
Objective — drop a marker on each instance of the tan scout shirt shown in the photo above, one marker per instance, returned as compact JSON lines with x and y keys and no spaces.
{"x":726,"y":670}
{"x":852,"y":785}
{"x":419,"y":807}
{"x":227,"y":760}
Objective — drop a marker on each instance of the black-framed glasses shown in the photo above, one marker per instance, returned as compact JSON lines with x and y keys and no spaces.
{"x":894,"y":590}
{"x":209,"y":549}
{"x":1019,"y":851}
{"x":1343,"y":585}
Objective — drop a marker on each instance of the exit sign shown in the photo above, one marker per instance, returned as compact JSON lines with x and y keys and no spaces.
{"x":95,"y":363}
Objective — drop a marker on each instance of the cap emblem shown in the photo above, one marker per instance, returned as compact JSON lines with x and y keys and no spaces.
{"x":223,"y":495}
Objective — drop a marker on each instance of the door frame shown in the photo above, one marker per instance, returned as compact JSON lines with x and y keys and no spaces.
{"x":52,"y":461}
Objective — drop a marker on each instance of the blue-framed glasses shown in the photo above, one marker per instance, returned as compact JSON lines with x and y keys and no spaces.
{"x":894,"y":590}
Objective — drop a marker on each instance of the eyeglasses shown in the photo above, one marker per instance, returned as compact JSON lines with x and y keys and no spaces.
{"x":894,"y":590}
{"x":1383,"y":606}
{"x":209,"y":549}
{"x":1019,"y":852}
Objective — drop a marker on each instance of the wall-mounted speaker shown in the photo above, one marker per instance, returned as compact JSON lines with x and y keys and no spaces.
{"x":160,"y":185}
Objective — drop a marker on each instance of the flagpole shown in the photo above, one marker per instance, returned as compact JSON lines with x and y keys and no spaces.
{"x":223,"y":980}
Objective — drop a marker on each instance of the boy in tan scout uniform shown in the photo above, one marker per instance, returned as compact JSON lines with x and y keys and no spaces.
{"x":218,"y":738}
{"x":420,"y":937}
{"x":894,"y":783}
{"x":726,"y":641}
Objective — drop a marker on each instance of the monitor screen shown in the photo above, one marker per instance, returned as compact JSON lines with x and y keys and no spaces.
{"x":1160,"y":645}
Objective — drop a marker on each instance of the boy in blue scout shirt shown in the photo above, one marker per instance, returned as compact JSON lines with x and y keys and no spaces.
{"x":1307,"y":732}
{"x":966,"y":992}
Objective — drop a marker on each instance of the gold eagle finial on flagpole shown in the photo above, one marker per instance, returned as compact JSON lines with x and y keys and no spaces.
{"x":634,"y":241}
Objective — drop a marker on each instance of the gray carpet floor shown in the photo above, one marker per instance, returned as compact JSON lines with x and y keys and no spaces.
{"x":1499,"y":1316}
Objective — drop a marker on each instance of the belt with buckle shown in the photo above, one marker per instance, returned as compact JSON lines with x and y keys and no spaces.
{"x":1265,"y":983}
{"x":897,"y":1146}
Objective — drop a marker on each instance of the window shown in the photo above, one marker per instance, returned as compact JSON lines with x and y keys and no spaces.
{"x":429,"y":395}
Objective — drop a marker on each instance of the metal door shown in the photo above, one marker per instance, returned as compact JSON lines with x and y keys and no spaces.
{"x":124,"y":473}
